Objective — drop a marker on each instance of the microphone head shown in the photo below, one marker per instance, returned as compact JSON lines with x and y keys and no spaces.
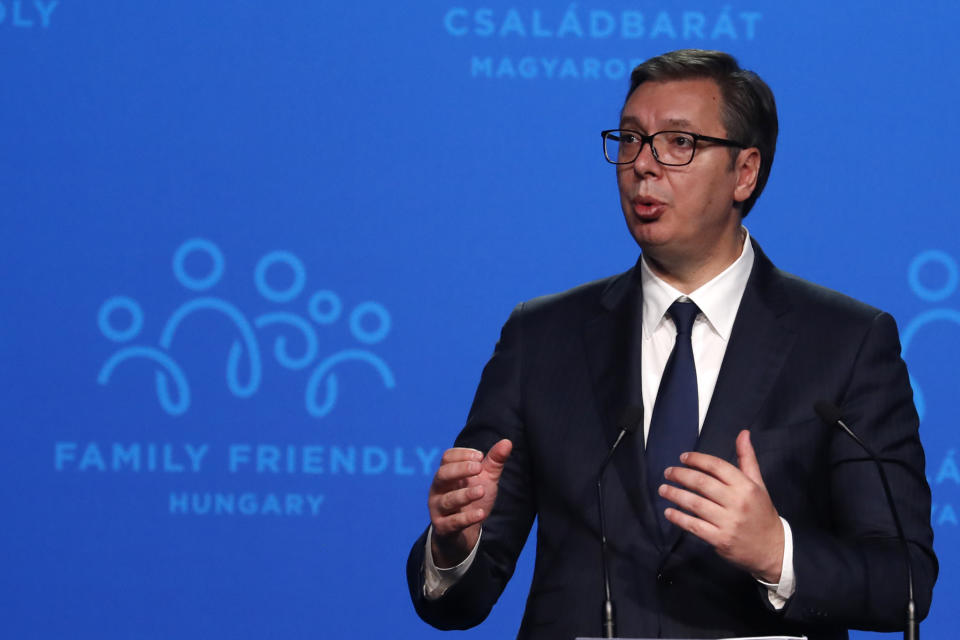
{"x":828,"y":412}
{"x":631,"y":418}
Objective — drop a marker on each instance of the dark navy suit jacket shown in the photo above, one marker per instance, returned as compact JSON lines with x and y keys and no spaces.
{"x":562,"y":373}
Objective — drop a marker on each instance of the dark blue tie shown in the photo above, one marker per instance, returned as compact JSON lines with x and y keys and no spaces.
{"x":676,"y":413}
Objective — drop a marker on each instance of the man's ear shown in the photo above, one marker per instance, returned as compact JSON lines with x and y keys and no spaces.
{"x":747,"y":168}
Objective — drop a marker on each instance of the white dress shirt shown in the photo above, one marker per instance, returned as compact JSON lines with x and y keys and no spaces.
{"x":718,"y":300}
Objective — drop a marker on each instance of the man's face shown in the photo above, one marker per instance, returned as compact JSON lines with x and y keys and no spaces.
{"x":682,"y":213}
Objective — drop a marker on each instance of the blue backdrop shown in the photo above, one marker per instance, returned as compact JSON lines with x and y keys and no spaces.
{"x":255,"y":255}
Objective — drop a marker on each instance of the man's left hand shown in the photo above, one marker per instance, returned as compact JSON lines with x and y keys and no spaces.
{"x":729,"y":508}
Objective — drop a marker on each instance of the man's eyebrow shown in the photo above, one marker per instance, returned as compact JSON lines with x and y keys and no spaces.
{"x":678,"y":122}
{"x":669,"y":122}
{"x":631,"y":121}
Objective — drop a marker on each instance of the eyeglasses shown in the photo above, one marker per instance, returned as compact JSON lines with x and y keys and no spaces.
{"x":670,"y":148}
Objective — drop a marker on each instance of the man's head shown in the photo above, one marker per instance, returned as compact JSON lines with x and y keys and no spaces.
{"x":685,"y":177}
{"x":748,"y":111}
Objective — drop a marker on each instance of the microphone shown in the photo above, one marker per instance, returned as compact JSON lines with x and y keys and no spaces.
{"x":630,"y":420}
{"x":832,"y":415}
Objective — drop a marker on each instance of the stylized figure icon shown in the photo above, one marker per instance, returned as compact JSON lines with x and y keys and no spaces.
{"x":324,"y":307}
{"x":284,"y":318}
{"x":174,"y":405}
{"x":928,"y":294}
{"x":323,"y":372}
{"x":217,"y":305}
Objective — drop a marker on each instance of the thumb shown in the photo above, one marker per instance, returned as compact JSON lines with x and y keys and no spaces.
{"x":496,"y":457}
{"x":747,"y":458}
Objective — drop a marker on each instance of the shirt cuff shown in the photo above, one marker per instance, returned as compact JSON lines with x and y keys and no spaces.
{"x":437,"y":581}
{"x":779,"y":593}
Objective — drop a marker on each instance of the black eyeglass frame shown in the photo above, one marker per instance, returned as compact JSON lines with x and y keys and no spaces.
{"x":648,"y":139}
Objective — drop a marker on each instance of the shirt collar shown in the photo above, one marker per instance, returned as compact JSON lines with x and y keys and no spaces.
{"x":718,"y":299}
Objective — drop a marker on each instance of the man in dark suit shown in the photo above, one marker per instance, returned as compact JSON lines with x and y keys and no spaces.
{"x":734,"y":510}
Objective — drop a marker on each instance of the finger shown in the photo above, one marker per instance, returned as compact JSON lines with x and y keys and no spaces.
{"x":461,"y":454}
{"x":699,"y":482}
{"x":712,"y":465}
{"x":453,"y":473}
{"x":497,"y":457}
{"x":447,"y":525}
{"x":707,"y":532}
{"x":747,"y":458}
{"x":454,"y":501}
{"x":694,"y":504}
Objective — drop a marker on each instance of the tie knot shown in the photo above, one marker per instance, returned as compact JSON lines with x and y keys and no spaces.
{"x":683,"y":314}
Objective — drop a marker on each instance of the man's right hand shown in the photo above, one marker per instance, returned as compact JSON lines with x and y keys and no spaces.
{"x":461,"y":497}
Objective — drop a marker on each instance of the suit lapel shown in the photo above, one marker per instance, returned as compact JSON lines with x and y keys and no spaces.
{"x":759,"y":345}
{"x":613,"y":341}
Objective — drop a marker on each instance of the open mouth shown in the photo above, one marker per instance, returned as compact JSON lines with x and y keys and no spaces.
{"x":648,"y":208}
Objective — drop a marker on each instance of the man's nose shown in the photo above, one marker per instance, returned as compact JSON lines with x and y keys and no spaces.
{"x":646,"y":161}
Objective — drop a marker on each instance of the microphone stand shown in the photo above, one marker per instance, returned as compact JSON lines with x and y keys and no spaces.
{"x":631,"y":420}
{"x":831,"y":414}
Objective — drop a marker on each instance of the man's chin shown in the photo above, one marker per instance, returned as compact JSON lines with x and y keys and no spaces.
{"x":649,"y":233}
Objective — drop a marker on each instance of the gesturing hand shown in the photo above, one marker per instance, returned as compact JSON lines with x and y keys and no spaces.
{"x":461,"y":497}
{"x":729,"y":508}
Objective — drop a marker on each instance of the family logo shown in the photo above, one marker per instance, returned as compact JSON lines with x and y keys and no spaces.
{"x":369,"y":324}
